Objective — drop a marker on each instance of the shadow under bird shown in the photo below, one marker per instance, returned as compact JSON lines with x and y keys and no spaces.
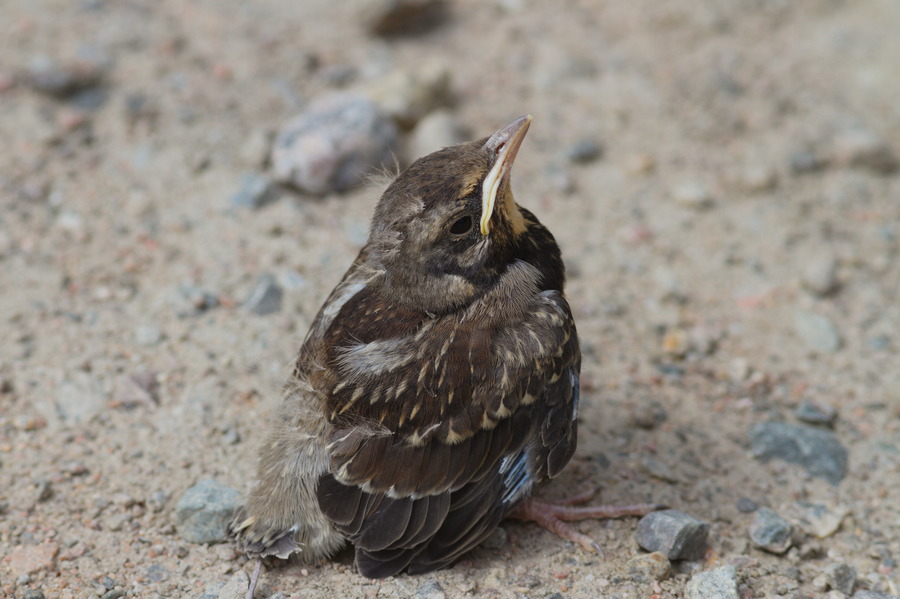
{"x":437,"y":386}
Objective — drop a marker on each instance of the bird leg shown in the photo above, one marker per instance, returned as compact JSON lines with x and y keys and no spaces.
{"x":254,"y":579}
{"x":553,"y":515}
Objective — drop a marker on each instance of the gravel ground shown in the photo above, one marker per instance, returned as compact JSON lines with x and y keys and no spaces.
{"x":722,"y":178}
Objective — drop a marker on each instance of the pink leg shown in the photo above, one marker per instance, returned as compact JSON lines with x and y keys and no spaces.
{"x":254,"y":579}
{"x":554,"y":515}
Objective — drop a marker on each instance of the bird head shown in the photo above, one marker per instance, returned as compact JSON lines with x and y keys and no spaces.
{"x":446,"y":227}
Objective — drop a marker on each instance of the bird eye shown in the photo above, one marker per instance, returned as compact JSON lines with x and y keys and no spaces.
{"x":462,"y":226}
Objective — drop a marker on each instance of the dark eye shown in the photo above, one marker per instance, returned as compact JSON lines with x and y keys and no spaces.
{"x":462,"y":226}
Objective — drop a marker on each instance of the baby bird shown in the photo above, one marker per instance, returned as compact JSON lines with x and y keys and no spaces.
{"x":437,"y":385}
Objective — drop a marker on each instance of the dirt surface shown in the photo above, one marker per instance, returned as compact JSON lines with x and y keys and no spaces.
{"x":733,"y":252}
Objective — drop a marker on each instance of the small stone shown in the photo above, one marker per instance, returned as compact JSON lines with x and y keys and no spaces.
{"x":739,"y":369}
{"x":813,"y":413}
{"x":818,"y":451}
{"x":647,"y":414}
{"x":113,"y":594}
{"x":79,"y":399}
{"x":333,"y":145}
{"x":254,"y":152}
{"x":431,"y":590}
{"x":585,"y":151}
{"x":771,"y":532}
{"x":29,"y":559}
{"x":805,"y":161}
{"x":745,"y":505}
{"x":757,"y":178}
{"x":816,"y":519}
{"x":407,"y":96}
{"x":204,"y":512}
{"x":440,"y":129}
{"x":156,"y":573}
{"x":820,"y":275}
{"x":198,"y":299}
{"x":841,"y":577}
{"x":676,"y":534}
{"x":389,"y":18}
{"x":692,"y":195}
{"x":817,"y":331}
{"x":53,"y":78}
{"x":266,"y":296}
{"x":720,"y":583}
{"x":147,"y":334}
{"x":236,"y":587}
{"x":33,"y":594}
{"x":44,"y":491}
{"x":116,"y":522}
{"x":255,"y":191}
{"x":648,"y":567}
{"x":861,"y":148}
{"x":873,"y":595}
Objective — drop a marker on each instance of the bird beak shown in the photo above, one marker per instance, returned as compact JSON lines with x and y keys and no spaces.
{"x":504,"y":144}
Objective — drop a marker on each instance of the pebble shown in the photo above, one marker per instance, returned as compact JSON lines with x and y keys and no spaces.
{"x":841,"y":577}
{"x":113,"y":594}
{"x":254,"y":152}
{"x":745,"y":505}
{"x":720,"y":583}
{"x":198,"y":299}
{"x":334,"y":144}
{"x":817,"y":451}
{"x":692,"y":195}
{"x":59,"y":80}
{"x":820,"y":275}
{"x":817,"y":332}
{"x":266,"y":296}
{"x":407,"y":96}
{"x":817,"y":519}
{"x":440,"y":129}
{"x":861,"y":148}
{"x":813,"y":413}
{"x":757,"y":178}
{"x":431,"y":590}
{"x":236,"y":588}
{"x":873,"y":595}
{"x":676,"y":534}
{"x":204,"y":511}
{"x":255,"y":191}
{"x":805,"y":161}
{"x":147,"y":334}
{"x":647,"y":414}
{"x":770,"y":532}
{"x":117,"y":521}
{"x":648,"y":567}
{"x":389,"y":18}
{"x":30,"y":559}
{"x":33,"y":594}
{"x":584,"y":151}
{"x":79,"y":399}
{"x":44,"y":491}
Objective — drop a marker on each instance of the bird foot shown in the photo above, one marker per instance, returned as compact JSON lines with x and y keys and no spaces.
{"x":553,"y":515}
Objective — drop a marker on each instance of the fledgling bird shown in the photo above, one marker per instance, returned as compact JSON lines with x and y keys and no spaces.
{"x":437,"y":385}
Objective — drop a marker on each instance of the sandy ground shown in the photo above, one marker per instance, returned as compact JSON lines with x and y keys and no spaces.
{"x":732,"y":253}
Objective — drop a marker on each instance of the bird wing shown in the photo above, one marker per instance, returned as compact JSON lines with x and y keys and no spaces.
{"x":442,"y":424}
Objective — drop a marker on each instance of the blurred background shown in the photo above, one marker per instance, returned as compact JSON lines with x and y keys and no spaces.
{"x":183,"y":182}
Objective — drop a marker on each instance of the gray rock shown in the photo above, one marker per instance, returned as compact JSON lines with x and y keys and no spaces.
{"x":692,"y":195}
{"x":675,"y":534}
{"x":805,"y":161}
{"x":147,"y":334}
{"x":255,"y":191}
{"x":820,"y":275}
{"x":648,"y":567}
{"x":720,"y":583}
{"x":771,"y":532}
{"x":204,"y":511}
{"x":53,"y":78}
{"x":816,"y":519}
{"x":79,"y":399}
{"x":584,"y":151}
{"x":33,"y":594}
{"x":873,"y":595}
{"x":841,"y":577}
{"x":862,"y":148}
{"x":407,"y":96}
{"x":818,"y":451}
{"x":745,"y":505}
{"x":266,"y":296}
{"x":440,"y":129}
{"x":334,"y":144}
{"x":817,"y":332}
{"x":113,"y":594}
{"x":431,"y":590}
{"x":814,"y":413}
{"x":390,"y":18}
